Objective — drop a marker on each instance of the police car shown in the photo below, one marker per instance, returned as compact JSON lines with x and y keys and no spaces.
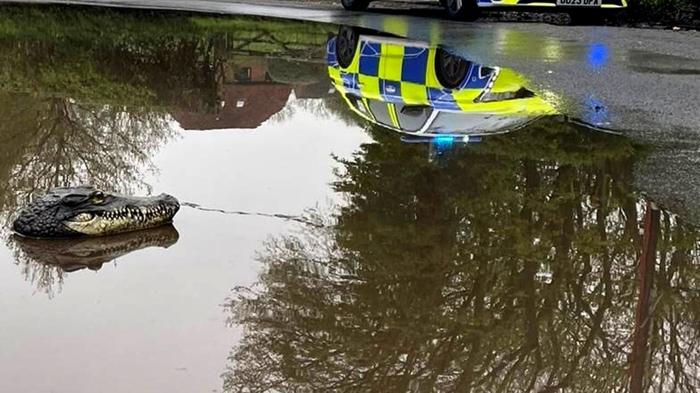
{"x":581,"y":11}
{"x":425,"y":91}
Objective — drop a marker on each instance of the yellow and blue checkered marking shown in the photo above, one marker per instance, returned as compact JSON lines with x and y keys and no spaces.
{"x":415,"y":62}
{"x":370,"y":55}
{"x":404,"y":74}
{"x":350,"y":82}
{"x":391,"y":73}
{"x":479,"y":77}
{"x":442,"y":99}
{"x":331,"y":57}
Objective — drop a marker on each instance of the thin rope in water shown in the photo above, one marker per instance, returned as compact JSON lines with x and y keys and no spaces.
{"x":286,"y":217}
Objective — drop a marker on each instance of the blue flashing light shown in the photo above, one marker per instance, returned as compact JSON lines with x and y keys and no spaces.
{"x":443,"y":142}
{"x":598,"y":55}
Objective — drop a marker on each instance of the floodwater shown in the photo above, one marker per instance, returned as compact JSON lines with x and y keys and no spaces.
{"x":503,"y":248}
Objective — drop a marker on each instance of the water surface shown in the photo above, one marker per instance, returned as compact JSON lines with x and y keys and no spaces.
{"x":529,"y":261}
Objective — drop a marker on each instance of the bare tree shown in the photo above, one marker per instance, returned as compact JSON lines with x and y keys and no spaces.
{"x":508,"y":268}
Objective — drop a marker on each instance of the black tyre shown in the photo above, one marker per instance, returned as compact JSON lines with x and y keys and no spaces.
{"x":346,"y":45}
{"x":450,"y":70}
{"x":462,"y":9}
{"x":355,"y":5}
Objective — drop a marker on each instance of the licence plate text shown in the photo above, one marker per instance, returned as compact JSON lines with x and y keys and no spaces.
{"x":579,"y":3}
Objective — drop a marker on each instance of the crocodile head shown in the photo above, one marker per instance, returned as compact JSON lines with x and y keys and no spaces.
{"x":86,"y":211}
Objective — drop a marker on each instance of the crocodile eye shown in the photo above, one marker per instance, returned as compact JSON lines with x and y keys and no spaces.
{"x":98,"y":197}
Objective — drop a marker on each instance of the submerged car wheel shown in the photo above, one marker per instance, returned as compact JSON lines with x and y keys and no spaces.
{"x":462,"y":9}
{"x":355,"y":5}
{"x":450,"y":69}
{"x":346,"y":45}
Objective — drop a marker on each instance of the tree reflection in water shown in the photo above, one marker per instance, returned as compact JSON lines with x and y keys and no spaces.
{"x":48,"y":142}
{"x":430,"y":278}
{"x":85,"y":93}
{"x":45,"y":261}
{"x":52,"y":142}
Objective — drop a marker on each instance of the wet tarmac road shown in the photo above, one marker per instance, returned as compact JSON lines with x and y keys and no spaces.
{"x":646,"y":81}
{"x":513,"y":263}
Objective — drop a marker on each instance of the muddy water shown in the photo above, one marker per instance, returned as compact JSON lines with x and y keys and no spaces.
{"x":503,"y":251}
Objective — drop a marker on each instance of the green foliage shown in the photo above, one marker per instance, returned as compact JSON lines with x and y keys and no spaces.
{"x":685,"y":12}
{"x":136,"y":58}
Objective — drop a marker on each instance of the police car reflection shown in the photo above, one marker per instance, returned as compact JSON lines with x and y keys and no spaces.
{"x":426,"y":92}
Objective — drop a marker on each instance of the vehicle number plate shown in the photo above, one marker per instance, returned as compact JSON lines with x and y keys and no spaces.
{"x":578,"y":3}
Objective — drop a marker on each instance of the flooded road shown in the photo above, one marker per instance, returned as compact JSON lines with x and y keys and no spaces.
{"x":345,"y":227}
{"x":647,"y":79}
